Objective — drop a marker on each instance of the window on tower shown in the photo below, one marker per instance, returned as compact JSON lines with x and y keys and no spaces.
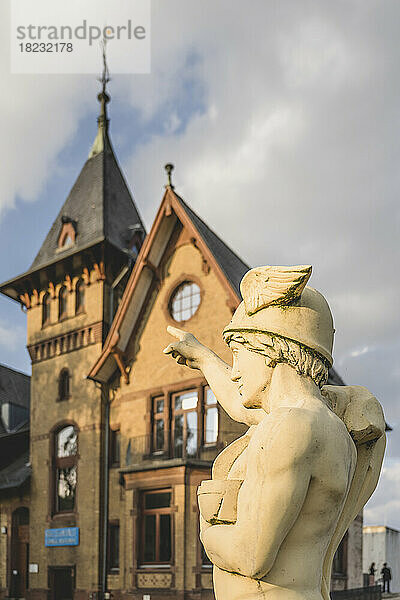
{"x":65,"y":469}
{"x":79,"y":296}
{"x":46,"y":309}
{"x":64,"y":385}
{"x":67,"y":236}
{"x":62,"y":303}
{"x":67,"y":241}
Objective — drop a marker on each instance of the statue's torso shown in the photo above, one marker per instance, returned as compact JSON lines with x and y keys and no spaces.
{"x":297,"y":570}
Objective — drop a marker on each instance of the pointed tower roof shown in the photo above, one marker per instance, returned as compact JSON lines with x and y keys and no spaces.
{"x":99,"y":206}
{"x":98,"y":209}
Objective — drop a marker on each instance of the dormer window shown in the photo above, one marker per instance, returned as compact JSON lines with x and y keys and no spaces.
{"x":67,"y":241}
{"x":67,"y":236}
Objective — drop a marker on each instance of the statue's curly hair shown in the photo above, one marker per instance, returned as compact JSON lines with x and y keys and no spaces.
{"x":278,"y":349}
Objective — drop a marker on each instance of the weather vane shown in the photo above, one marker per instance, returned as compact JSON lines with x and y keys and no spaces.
{"x":105,"y":77}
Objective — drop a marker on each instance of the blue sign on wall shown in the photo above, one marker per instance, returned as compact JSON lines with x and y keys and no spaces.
{"x":62,"y":536}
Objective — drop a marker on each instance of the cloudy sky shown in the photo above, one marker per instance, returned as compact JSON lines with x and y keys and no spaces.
{"x":283,"y":120}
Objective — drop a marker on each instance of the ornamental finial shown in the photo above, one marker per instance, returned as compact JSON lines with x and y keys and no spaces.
{"x":169,"y":167}
{"x":104,"y":99}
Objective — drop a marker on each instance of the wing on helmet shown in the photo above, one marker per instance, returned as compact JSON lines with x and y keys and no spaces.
{"x":268,"y":285}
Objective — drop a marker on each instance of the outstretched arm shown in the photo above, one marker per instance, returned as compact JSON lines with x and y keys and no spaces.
{"x":190,"y":352}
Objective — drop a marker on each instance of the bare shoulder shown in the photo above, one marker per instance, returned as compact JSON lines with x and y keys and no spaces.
{"x":289,"y":434}
{"x":290,"y":420}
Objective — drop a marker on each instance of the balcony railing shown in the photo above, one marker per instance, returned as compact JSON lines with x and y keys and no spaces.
{"x":373,"y":592}
{"x":142,"y":448}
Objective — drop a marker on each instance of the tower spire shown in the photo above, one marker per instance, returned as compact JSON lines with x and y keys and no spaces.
{"x":104,"y":98}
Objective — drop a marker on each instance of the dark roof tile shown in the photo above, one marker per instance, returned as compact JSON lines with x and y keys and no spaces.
{"x":101,"y":205}
{"x":15,"y":473}
{"x":232,"y":266}
{"x":14,"y":387}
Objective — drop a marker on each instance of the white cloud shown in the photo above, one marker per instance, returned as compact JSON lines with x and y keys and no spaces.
{"x":318,"y":51}
{"x":40,"y":114}
{"x":360,"y":351}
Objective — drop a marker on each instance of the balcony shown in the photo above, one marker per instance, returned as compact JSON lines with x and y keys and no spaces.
{"x":141,"y":450}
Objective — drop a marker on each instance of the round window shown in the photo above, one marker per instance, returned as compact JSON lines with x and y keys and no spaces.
{"x":185,"y":301}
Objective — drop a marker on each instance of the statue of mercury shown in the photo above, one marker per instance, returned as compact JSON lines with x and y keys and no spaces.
{"x":282,"y":496}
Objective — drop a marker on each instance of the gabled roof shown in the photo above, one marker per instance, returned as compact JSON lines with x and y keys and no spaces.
{"x":232,"y":266}
{"x":226,"y":264}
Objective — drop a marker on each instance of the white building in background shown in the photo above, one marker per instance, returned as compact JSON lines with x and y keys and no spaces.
{"x":382,"y":544}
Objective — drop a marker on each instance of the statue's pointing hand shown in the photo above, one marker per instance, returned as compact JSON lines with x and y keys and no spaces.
{"x":187,"y":350}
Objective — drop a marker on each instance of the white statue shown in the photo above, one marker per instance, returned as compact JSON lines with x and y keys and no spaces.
{"x":282,"y":496}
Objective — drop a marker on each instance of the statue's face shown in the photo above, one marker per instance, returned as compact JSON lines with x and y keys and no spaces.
{"x":252,"y":376}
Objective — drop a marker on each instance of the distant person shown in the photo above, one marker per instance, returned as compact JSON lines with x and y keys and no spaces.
{"x":372,"y":571}
{"x":386,"y":576}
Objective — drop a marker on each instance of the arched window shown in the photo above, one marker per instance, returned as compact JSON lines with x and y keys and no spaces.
{"x":65,"y":469}
{"x":79,"y":296}
{"x":64,"y":385}
{"x":21,"y":516}
{"x":62,"y":303}
{"x":46,"y":309}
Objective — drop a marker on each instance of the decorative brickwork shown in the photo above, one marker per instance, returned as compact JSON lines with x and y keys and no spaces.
{"x":154,"y":580}
{"x":68,"y":342}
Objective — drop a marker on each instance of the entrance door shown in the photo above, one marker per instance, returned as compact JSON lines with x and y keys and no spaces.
{"x":61,"y":582}
{"x":19,"y":552}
